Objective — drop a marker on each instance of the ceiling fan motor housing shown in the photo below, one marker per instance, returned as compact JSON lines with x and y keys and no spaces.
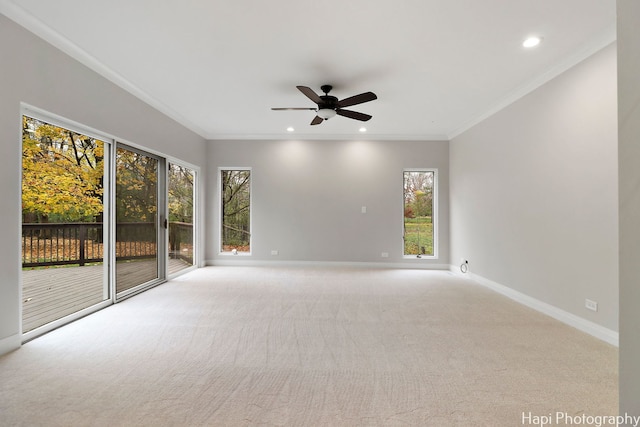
{"x":328,"y":101}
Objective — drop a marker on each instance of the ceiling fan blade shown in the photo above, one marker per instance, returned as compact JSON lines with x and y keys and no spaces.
{"x":317,"y":120}
{"x":309,"y":93}
{"x":357,"y":99}
{"x":353,"y":115}
{"x":292,"y":108}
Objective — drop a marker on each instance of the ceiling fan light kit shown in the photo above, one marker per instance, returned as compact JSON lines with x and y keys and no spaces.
{"x":326,"y":113}
{"x":329,"y":106}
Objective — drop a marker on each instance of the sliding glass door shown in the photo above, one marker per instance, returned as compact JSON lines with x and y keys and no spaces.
{"x":181,"y":191}
{"x":138,"y":240}
{"x":63,"y":234}
{"x":101,"y":221}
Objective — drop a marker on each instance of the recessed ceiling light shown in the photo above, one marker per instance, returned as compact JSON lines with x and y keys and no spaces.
{"x":363,"y":129}
{"x":290,"y":129}
{"x":532,"y":41}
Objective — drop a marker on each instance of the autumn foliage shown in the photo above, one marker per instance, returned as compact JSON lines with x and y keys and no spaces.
{"x":61,"y":174}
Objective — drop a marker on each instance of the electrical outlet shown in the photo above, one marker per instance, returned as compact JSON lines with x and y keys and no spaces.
{"x":464,"y":265}
{"x":274,"y":252}
{"x":363,"y":209}
{"x":591,"y":305}
{"x":385,"y":255}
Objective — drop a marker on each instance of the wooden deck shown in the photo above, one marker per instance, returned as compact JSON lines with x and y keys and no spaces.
{"x":52,"y":293}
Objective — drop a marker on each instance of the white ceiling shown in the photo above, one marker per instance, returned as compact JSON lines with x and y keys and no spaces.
{"x":217,"y":67}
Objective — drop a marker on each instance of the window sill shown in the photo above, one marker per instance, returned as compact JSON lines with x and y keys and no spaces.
{"x":420,"y":258}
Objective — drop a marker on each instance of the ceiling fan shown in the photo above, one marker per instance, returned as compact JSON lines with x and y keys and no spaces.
{"x":329,"y":106}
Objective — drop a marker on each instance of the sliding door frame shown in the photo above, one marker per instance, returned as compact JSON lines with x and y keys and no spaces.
{"x":160,"y":221}
{"x":196,"y":213}
{"x":107,"y":232}
{"x":111,"y":143}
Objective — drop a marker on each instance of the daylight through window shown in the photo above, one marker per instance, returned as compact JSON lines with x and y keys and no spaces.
{"x":235,"y":191}
{"x":63,"y":238}
{"x":419,"y":213}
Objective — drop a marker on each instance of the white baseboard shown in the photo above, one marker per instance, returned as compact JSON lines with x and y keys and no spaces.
{"x":591,"y":328}
{"x":241,"y":261}
{"x":10,"y":343}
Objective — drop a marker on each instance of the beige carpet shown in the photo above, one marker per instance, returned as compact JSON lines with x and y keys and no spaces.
{"x":236,"y":346}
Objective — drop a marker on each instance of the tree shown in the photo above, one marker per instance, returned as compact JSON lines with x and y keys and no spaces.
{"x":235,"y":207}
{"x":423,"y":203}
{"x":136,"y":187}
{"x":62,"y":174}
{"x":180,"y":194}
{"x":418,"y":194}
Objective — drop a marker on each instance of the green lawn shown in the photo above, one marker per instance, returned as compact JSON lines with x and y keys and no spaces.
{"x":418,"y":236}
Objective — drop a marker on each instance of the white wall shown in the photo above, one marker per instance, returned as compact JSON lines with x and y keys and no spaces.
{"x":35,"y":73}
{"x":534,"y":193}
{"x":307,"y":198}
{"x":629,"y":165}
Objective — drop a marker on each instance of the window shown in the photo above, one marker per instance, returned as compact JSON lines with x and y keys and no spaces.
{"x":419,"y":213}
{"x":181,"y":198}
{"x":96,"y":219}
{"x":63,"y":233}
{"x":235,"y":211}
{"x":139,"y":242}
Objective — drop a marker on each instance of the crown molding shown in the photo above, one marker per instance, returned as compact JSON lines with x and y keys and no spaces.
{"x":57,"y":40}
{"x":603,"y":40}
{"x":331,"y":137}
{"x":40,"y":29}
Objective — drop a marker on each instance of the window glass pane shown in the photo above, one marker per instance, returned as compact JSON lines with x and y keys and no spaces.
{"x":236,"y":205}
{"x":181,"y":184}
{"x":136,"y":219}
{"x":63,"y":238}
{"x":418,"y":213}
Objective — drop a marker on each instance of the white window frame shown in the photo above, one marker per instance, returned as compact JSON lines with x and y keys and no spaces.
{"x":434,"y":216}
{"x":219,"y":179}
{"x":111,"y":144}
{"x":196,"y":213}
{"x":108,"y":234}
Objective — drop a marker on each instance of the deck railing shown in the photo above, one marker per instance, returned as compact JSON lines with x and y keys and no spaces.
{"x":59,"y":244}
{"x":82,"y":243}
{"x":181,"y":241}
